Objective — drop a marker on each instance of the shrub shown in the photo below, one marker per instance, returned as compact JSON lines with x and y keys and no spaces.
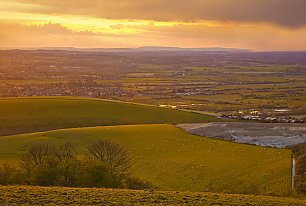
{"x":105,"y":165}
{"x":8,"y":175}
{"x":94,"y":174}
{"x":47,"y":165}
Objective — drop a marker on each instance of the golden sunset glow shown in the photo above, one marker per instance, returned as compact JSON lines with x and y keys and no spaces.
{"x":127,"y":23}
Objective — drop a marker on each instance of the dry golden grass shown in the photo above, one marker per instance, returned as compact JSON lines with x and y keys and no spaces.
{"x":27,"y":195}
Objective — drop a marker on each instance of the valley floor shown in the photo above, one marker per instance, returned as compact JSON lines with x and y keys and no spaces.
{"x":26,"y":195}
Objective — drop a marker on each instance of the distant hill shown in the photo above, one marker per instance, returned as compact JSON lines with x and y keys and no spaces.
{"x":140,"y":49}
{"x":213,"y":49}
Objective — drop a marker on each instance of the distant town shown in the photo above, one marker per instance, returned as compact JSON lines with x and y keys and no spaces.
{"x":265,"y":119}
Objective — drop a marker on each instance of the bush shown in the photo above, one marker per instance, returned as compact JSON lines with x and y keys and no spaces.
{"x":106,"y":165}
{"x":94,"y":174}
{"x":47,"y":165}
{"x":8,"y":175}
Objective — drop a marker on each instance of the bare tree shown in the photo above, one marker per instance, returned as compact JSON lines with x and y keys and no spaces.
{"x":67,"y":164}
{"x":110,"y":154}
{"x":66,"y":152}
{"x":37,"y":154}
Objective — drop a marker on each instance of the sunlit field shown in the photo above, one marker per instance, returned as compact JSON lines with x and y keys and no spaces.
{"x":171,"y":159}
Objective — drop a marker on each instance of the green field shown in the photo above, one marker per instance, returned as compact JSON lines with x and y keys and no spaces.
{"x":77,"y":196}
{"x":174,"y":160}
{"x":23,"y":115}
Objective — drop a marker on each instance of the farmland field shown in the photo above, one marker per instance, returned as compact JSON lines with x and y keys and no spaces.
{"x":171,"y":159}
{"x":222,"y":83}
{"x":132,"y":102}
{"x":72,"y":196}
{"x":81,"y":96}
{"x":22,"y":115}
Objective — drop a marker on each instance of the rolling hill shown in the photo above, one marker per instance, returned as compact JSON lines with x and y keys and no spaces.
{"x":24,"y":115}
{"x":172,"y":159}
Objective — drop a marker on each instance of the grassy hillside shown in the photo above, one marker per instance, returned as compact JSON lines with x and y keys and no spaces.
{"x":174,"y":160}
{"x":73,"y":196}
{"x":23,"y":115}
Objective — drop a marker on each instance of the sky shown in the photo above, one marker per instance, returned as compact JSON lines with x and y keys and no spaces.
{"x":260,"y":25}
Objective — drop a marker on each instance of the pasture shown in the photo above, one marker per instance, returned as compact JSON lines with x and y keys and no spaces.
{"x":172,"y":159}
{"x":24,"y":115}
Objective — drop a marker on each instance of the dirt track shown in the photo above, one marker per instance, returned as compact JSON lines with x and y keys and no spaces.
{"x":261,"y":134}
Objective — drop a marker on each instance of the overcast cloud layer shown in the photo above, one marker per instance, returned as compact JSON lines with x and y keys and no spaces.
{"x":263,"y":25}
{"x":290,"y":13}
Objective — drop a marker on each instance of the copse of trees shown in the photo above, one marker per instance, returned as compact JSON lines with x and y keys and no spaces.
{"x":48,"y":165}
{"x":105,"y":164}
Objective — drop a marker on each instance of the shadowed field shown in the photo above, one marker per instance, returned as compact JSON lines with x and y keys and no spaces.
{"x":23,"y":115}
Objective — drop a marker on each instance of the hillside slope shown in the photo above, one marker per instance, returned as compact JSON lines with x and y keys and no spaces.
{"x":73,"y":196}
{"x":174,"y":160}
{"x":23,"y":115}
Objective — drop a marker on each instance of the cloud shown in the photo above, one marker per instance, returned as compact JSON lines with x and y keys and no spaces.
{"x":257,"y":37}
{"x":288,"y":13}
{"x":51,"y":29}
{"x":19,"y":35}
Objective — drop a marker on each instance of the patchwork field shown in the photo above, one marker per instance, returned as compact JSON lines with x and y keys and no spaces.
{"x":218,"y":82}
{"x":23,"y":115}
{"x":73,"y":196}
{"x":172,"y":159}
{"x":34,"y":107}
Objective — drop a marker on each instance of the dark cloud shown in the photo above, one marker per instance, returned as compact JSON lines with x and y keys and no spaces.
{"x":290,"y":13}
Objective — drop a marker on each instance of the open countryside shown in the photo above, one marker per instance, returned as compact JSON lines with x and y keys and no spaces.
{"x":155,"y":102}
{"x":171,"y":159}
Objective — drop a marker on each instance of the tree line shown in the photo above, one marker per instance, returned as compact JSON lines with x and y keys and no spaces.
{"x":105,"y":164}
